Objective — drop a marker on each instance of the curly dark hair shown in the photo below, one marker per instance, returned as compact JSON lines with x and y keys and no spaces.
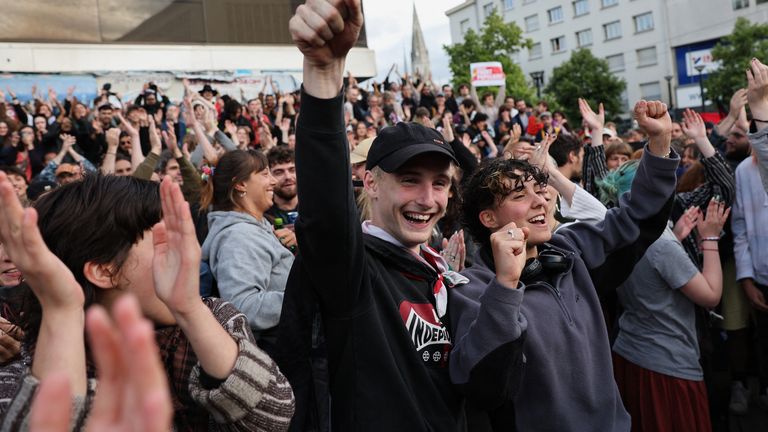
{"x":493,"y":181}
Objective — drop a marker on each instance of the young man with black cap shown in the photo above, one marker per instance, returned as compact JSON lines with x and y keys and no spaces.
{"x":382,"y":294}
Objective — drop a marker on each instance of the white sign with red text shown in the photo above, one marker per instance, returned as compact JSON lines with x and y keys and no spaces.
{"x":486,"y":74}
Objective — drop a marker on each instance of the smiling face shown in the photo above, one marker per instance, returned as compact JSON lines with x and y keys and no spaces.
{"x":10,"y":276}
{"x":408,"y":203}
{"x":259,"y":190}
{"x":285,"y":177}
{"x":526,"y":206}
{"x":19,"y":185}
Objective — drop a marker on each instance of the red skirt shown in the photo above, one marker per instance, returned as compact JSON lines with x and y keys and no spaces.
{"x":661,"y":403}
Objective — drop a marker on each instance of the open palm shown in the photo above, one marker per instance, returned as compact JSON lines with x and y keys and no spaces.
{"x":49,"y":278}
{"x":176,"y":262}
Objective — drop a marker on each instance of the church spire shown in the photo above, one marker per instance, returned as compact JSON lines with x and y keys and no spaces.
{"x":419,"y":53}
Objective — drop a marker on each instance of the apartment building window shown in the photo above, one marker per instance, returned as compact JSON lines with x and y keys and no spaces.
{"x":740,"y":4}
{"x":525,"y":2}
{"x":761,"y":1}
{"x":509,"y":4}
{"x":488,"y":9}
{"x":580,"y":7}
{"x":464,"y":26}
{"x":608,"y":3}
{"x":555,"y":15}
{"x":650,"y":91}
{"x":644,"y":22}
{"x":558,"y":44}
{"x":612,"y":30}
{"x":532,"y":23}
{"x":584,"y":38}
{"x":646,"y":57}
{"x":535,"y":51}
{"x":615,"y":62}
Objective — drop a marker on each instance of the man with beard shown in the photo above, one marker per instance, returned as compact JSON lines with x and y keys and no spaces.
{"x":281,"y":163}
{"x":286,"y":201}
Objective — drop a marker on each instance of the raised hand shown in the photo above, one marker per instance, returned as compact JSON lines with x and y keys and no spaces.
{"x":595,"y":122}
{"x":693,"y":125}
{"x":757,"y":90}
{"x":52,"y":282}
{"x":509,"y":253}
{"x":154,"y":138}
{"x":540,"y":153}
{"x":126,"y":125}
{"x":325,"y":31}
{"x":189,"y":112}
{"x":113,"y":139}
{"x":455,"y":251}
{"x":67,"y":141}
{"x":177,"y":253}
{"x":687,"y":223}
{"x":712,"y":223}
{"x":169,"y":136}
{"x":653,"y":118}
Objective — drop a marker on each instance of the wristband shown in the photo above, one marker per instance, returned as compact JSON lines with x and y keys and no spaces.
{"x":714,"y":239}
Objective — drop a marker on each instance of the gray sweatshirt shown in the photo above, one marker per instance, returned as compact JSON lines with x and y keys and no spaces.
{"x":249,"y":264}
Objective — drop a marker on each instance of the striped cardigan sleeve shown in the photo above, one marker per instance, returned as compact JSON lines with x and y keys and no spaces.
{"x":594,"y":168}
{"x":255,"y":396}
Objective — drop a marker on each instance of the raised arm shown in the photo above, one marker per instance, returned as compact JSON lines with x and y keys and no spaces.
{"x":113,"y":141}
{"x":738,"y":100}
{"x":757,"y":96}
{"x":328,"y":213}
{"x":718,"y":177}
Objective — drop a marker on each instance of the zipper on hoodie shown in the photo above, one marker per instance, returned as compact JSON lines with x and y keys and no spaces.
{"x":558,"y":295}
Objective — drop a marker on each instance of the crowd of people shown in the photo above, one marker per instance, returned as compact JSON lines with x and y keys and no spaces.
{"x":394,"y":256}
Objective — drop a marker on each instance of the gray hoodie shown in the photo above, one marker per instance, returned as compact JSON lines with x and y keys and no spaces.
{"x":249,"y":264}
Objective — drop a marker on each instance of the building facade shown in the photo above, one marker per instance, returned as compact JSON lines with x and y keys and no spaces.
{"x":43,"y":36}
{"x":654,"y":45}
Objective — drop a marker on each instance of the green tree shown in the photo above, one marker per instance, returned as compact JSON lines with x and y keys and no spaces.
{"x":734,"y":52}
{"x":585,"y":76}
{"x":496,"y":41}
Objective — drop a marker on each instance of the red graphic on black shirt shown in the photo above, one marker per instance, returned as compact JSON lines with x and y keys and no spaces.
{"x":428,"y":333}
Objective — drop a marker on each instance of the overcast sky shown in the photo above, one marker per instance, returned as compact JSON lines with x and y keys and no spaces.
{"x":389,"y":23}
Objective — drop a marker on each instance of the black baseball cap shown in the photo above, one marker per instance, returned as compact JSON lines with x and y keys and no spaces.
{"x":395,"y":145}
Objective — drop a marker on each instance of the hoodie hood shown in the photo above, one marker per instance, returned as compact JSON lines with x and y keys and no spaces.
{"x":218,"y":221}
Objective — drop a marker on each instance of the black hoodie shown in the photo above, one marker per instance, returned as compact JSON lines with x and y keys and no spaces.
{"x":387,"y":348}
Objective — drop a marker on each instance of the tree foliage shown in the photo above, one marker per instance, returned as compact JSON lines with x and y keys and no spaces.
{"x":585,"y":76}
{"x":734,"y":52}
{"x":496,"y":41}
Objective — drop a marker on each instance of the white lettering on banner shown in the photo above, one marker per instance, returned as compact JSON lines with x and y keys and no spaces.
{"x":700,"y":57}
{"x":486,"y":74}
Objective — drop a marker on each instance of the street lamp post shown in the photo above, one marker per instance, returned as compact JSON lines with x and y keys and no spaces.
{"x":538,"y":81}
{"x":669,"y":91}
{"x":700,"y":68}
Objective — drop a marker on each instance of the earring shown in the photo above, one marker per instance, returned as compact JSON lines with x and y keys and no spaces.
{"x":241,"y":194}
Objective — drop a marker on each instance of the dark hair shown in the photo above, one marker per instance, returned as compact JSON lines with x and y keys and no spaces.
{"x":162,"y":164}
{"x":280,"y":155}
{"x":94,"y":220}
{"x":563,"y":146}
{"x":234,"y":167}
{"x":231,"y":107}
{"x":468,"y":103}
{"x":493,"y":181}
{"x":422,"y":112}
{"x":8,"y":169}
